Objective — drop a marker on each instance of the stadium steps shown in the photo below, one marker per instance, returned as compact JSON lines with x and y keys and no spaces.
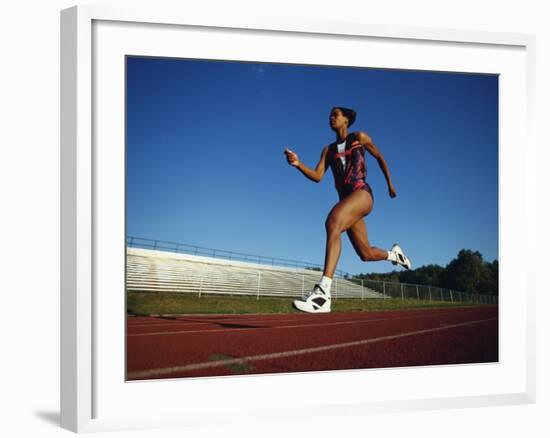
{"x":153,"y":270}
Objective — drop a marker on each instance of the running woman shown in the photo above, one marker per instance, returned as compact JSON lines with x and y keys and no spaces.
{"x":346,"y":158}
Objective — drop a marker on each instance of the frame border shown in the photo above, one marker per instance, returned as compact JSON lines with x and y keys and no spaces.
{"x":77,"y":197}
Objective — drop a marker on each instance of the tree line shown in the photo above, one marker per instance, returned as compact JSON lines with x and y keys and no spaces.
{"x":467,"y":272}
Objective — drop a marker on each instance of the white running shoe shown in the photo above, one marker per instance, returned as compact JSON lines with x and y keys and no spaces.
{"x":402,"y":259}
{"x":316,"y":301}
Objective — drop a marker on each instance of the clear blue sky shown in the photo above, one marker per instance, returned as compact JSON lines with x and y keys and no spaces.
{"x":205,"y":162}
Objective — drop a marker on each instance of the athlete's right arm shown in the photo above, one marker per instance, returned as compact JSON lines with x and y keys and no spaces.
{"x":316,"y":174}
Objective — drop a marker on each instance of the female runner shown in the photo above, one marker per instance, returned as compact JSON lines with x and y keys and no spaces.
{"x":346,"y":158}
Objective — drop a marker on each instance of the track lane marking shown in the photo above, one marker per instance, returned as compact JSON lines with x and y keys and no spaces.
{"x":213,"y":322}
{"x":271,"y":317}
{"x":324,"y":324}
{"x":158,"y":372}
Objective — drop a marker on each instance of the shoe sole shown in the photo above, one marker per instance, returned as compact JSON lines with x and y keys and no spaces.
{"x":297,"y":303}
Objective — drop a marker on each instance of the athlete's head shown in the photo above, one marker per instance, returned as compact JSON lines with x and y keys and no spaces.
{"x":340,"y":116}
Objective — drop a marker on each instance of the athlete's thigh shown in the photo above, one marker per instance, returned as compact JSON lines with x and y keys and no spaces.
{"x":350,"y":209}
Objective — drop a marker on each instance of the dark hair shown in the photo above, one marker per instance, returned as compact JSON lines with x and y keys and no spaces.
{"x":347,"y":112}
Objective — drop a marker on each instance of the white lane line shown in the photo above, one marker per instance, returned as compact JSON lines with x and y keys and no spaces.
{"x":148,"y":374}
{"x":283,"y":327}
{"x":214,"y":322}
{"x":256,"y":319}
{"x":271,"y":318}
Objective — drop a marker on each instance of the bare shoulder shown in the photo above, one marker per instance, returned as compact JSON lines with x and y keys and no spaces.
{"x":363,"y":137}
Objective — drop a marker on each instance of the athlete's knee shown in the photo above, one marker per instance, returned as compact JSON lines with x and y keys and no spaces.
{"x":333,"y":226}
{"x":367,"y":254}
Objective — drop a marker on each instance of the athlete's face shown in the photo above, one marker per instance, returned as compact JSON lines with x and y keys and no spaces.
{"x":337,"y":119}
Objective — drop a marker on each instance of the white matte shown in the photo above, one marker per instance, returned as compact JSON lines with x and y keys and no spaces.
{"x":210,"y":400}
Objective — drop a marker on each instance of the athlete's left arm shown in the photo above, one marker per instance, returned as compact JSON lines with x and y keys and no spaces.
{"x":368,"y":144}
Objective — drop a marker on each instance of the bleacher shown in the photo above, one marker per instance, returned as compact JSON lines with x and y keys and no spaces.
{"x":163,"y":271}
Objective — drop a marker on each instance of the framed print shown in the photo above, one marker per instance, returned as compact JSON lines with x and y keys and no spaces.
{"x":162,"y":115}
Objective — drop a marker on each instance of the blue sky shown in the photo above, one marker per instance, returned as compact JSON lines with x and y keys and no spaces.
{"x":205,"y":162}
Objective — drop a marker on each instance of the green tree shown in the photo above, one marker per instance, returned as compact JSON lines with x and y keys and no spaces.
{"x":464,"y":272}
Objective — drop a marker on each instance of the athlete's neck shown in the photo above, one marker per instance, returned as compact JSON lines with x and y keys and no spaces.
{"x":341,"y":134}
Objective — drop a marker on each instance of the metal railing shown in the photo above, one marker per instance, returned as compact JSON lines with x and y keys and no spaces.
{"x":422,"y":292}
{"x":152,"y":271}
{"x":349,"y":286}
{"x":164,"y":245}
{"x":156,"y":271}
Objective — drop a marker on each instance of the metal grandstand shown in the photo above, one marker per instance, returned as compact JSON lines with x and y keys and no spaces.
{"x":157,"y":265}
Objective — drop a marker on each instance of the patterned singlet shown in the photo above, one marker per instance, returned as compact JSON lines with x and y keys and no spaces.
{"x":353,"y":175}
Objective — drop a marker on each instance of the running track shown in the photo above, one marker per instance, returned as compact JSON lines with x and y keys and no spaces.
{"x":214,"y":345}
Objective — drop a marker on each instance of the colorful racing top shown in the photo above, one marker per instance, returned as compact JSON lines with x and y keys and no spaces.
{"x":351,"y":176}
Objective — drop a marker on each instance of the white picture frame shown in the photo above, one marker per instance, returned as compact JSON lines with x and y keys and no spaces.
{"x":85,"y":235}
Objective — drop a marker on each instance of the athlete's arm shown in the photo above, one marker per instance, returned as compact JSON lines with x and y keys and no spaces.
{"x":368,"y":144}
{"x":316,"y":174}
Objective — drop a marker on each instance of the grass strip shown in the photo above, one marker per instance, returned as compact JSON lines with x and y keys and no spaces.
{"x":172,"y":303}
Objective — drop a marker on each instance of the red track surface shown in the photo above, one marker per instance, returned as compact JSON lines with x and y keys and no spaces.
{"x":214,"y":345}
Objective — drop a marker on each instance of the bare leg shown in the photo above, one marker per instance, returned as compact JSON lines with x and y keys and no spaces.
{"x":358,"y":236}
{"x":341,"y":218}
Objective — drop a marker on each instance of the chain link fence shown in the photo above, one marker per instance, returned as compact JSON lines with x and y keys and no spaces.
{"x":420,"y":292}
{"x":345,"y":285}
